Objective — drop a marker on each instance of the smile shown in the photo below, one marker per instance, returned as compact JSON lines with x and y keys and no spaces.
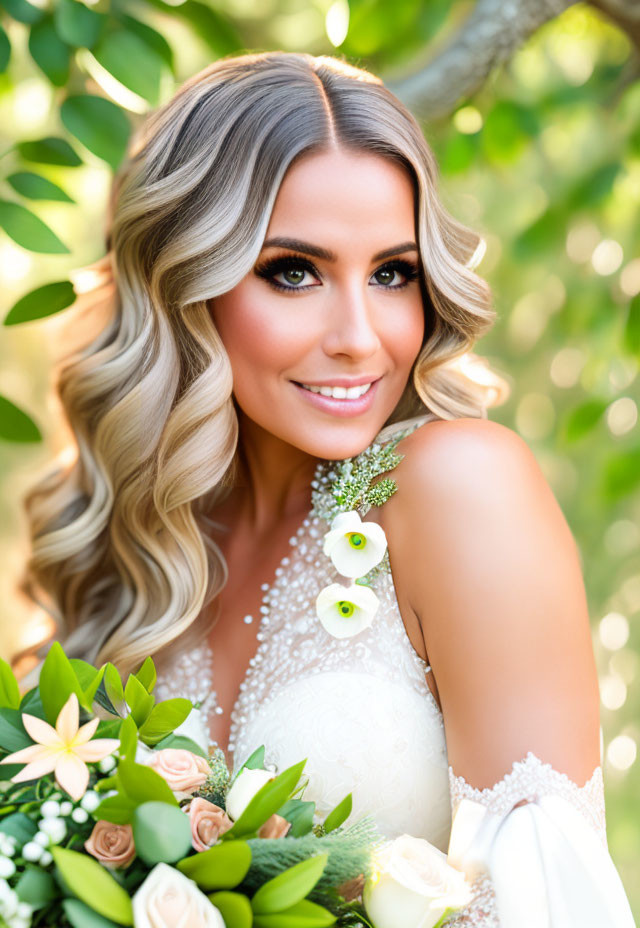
{"x":339,"y":393}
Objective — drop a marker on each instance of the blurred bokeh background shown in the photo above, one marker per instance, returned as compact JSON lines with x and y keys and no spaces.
{"x":533,"y":111}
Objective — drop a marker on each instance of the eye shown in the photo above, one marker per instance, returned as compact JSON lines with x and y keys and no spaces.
{"x":292,"y":272}
{"x":386,"y":274}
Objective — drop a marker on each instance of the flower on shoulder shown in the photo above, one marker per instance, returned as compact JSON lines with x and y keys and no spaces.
{"x":354,"y":546}
{"x":345,"y":611}
{"x":64,"y":750}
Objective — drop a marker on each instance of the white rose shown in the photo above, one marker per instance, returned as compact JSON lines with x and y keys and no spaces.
{"x":413,"y":885}
{"x":244,"y":788}
{"x":168,"y":899}
{"x":354,"y":546}
{"x":345,"y":611}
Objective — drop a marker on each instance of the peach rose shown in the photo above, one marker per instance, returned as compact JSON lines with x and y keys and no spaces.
{"x":168,"y":899}
{"x":111,"y":844}
{"x":275,"y":827}
{"x":208,"y":822}
{"x":183,"y":770}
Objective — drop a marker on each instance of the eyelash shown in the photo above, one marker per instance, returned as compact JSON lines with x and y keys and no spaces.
{"x":268,"y":269}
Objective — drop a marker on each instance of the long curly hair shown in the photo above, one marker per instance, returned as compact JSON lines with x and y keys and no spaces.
{"x":120,"y":552}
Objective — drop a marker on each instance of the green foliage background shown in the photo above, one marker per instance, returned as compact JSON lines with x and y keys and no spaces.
{"x":544,"y":161}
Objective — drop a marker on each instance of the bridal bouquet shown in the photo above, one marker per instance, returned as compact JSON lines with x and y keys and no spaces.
{"x":113,"y":813}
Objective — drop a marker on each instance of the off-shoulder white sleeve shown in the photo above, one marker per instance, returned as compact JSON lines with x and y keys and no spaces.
{"x":543,"y":864}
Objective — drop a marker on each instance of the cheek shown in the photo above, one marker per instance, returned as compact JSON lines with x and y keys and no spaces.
{"x":404,"y":329}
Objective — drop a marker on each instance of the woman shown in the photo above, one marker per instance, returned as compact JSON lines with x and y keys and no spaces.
{"x":291,"y":293}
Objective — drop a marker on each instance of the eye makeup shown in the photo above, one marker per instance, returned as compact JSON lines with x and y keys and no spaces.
{"x":269,"y":268}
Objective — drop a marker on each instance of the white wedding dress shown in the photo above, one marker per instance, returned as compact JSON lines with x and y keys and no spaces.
{"x":360,"y":710}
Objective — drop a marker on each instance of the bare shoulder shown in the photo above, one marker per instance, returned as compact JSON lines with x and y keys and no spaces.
{"x":483,"y":555}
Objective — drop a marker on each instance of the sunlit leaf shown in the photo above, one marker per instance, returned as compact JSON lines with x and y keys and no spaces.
{"x":23,"y":11}
{"x":36,"y":187}
{"x":632,"y":327}
{"x":76,"y":24}
{"x":5,"y":50}
{"x":28,"y":230}
{"x":99,"y":124}
{"x":132,"y":62}
{"x":16,"y":425}
{"x":50,"y":150}
{"x":49,"y":52}
{"x":43,"y":301}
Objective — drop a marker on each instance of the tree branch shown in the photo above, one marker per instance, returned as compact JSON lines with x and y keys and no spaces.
{"x":491,"y":34}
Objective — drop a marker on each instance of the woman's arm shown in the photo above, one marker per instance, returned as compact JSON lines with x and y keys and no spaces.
{"x":483,"y":556}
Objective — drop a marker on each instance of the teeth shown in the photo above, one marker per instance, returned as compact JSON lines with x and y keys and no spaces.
{"x":340,"y":393}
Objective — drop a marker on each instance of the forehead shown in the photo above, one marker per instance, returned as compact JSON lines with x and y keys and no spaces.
{"x":340,"y":193}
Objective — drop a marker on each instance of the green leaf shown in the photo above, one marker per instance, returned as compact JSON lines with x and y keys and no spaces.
{"x":631,"y":338}
{"x":223,"y":866}
{"x":36,"y":187}
{"x":13,"y":735}
{"x":94,"y":885}
{"x":49,"y":52}
{"x":300,"y":813}
{"x":31,"y":702}
{"x":183,"y":743}
{"x":583,"y":419}
{"x":234,"y":908}
{"x":133,"y":63}
{"x":164,"y":719}
{"x":266,"y":801}
{"x":143,"y":784}
{"x":99,"y":124}
{"x":113,"y":687}
{"x":84,"y":671}
{"x":303,"y":914}
{"x":147,"y":675}
{"x":76,"y":24}
{"x":19,"y":826}
{"x":139,"y":701}
{"x":36,"y":887}
{"x":621,"y":474}
{"x":215,"y":30}
{"x":81,"y":916}
{"x":57,"y":682}
{"x":153,"y":39}
{"x":29,"y":231}
{"x":128,"y":738}
{"x":255,"y":761}
{"x":289,"y":887}
{"x":117,"y":809}
{"x":5,"y":50}
{"x":9,"y":689}
{"x":90,"y":691}
{"x":23,"y":11}
{"x":49,"y":150}
{"x":43,"y":301}
{"x":338,"y":815}
{"x":162,"y":833}
{"x":16,"y":425}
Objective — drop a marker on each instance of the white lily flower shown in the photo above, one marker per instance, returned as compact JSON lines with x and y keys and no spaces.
{"x":354,"y":546}
{"x":345,"y":611}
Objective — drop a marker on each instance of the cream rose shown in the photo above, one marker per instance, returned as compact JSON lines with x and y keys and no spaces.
{"x":413,"y":885}
{"x":208,"y":822}
{"x":244,"y":788}
{"x":111,"y":844}
{"x":168,"y":899}
{"x":183,"y":770}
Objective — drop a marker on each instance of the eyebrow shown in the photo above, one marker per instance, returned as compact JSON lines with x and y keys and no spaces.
{"x":296,"y":244}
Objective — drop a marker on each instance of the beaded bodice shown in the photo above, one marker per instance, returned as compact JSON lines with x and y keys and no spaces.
{"x":361,"y":711}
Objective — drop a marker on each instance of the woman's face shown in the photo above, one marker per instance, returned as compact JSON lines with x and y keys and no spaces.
{"x":333,"y":304}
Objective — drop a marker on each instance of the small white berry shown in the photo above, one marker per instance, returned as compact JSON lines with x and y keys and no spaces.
{"x":80,"y":816}
{"x":56,"y":828}
{"x":32,"y":851}
{"x":24,"y":910}
{"x":7,"y":867}
{"x":46,"y":858}
{"x":107,"y":764}
{"x":66,"y":808}
{"x":50,"y":809}
{"x":91,"y":800}
{"x":42,"y":839}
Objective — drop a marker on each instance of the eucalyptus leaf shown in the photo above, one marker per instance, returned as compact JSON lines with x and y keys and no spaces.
{"x":81,"y":916}
{"x":162,"y":833}
{"x":16,"y":425}
{"x":36,"y":887}
{"x":300,"y":813}
{"x":19,"y":826}
{"x":28,"y":230}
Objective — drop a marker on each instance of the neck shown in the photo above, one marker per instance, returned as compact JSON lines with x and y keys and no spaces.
{"x":274,"y":477}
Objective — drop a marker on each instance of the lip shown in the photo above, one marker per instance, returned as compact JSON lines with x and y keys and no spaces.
{"x":345,"y":407}
{"x":342,"y":381}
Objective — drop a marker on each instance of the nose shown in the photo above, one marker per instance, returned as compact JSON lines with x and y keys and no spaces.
{"x":351,"y":326}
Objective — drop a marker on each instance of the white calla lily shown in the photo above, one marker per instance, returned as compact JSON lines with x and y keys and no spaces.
{"x":345,"y":611}
{"x":354,"y":546}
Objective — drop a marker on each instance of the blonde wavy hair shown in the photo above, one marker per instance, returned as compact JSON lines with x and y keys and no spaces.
{"x":120,"y":553}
